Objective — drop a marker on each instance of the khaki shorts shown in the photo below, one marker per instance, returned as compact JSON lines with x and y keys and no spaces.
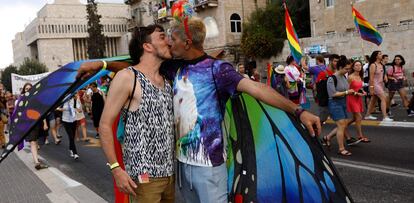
{"x":157,"y":190}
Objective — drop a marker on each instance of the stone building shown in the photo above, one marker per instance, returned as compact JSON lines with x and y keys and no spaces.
{"x":58,"y":35}
{"x":223,"y":18}
{"x":333,"y":29}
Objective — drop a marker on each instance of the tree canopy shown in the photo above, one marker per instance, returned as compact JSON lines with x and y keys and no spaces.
{"x":6,"y":76}
{"x":31,"y":67}
{"x":96,"y":39}
{"x":264,"y":34}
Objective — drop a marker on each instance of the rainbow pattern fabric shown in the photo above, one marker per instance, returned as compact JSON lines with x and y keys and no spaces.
{"x":367,"y":31}
{"x":292,"y":38}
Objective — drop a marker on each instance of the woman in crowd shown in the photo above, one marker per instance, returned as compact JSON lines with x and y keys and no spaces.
{"x":69,"y":123}
{"x":354,"y":101}
{"x":376,"y":86}
{"x":338,"y":89}
{"x":396,"y":79}
{"x":296,"y":81}
{"x":80,"y":119}
{"x":34,"y":134}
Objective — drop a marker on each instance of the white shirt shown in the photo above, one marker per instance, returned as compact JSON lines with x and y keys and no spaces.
{"x":69,"y":114}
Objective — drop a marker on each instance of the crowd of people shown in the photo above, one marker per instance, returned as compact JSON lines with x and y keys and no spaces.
{"x":71,"y":115}
{"x":341,"y":87}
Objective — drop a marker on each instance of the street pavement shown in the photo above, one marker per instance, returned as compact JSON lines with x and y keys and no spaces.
{"x":380,"y":171}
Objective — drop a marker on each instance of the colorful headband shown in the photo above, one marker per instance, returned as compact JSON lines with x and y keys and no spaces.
{"x":182,"y":11}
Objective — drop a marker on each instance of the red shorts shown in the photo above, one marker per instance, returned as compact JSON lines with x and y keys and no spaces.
{"x":81,"y":122}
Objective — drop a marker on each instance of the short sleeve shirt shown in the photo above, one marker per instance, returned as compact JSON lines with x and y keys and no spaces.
{"x":201,"y":88}
{"x":315,"y":70}
{"x":396,"y":72}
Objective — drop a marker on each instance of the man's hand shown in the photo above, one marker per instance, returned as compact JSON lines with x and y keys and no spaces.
{"x":124,"y":183}
{"x":89,"y":68}
{"x":311,"y":122}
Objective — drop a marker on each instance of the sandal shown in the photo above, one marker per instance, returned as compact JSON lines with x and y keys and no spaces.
{"x":344,"y":152}
{"x":326,"y":141}
{"x":364,"y":139}
{"x":58,"y":142}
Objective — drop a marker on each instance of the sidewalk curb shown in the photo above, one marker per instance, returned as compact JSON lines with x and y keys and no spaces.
{"x":400,"y":124}
{"x":64,"y":189}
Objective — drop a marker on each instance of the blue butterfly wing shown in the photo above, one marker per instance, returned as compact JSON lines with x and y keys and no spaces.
{"x":45,"y":96}
{"x":288,"y":165}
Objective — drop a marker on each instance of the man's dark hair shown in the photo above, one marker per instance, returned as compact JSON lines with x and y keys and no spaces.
{"x":94,"y":84}
{"x":343,"y":61}
{"x":333,"y":56}
{"x":140,"y":35}
{"x":320,"y":58}
{"x":384,"y":55}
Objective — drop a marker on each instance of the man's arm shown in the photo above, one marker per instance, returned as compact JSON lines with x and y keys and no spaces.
{"x":91,"y":67}
{"x":271,"y":97}
{"x":121,"y":88}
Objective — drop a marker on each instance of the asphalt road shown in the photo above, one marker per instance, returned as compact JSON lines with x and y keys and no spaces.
{"x":380,"y":171}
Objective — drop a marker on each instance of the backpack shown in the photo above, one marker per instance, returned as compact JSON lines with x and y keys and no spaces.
{"x":322,"y":90}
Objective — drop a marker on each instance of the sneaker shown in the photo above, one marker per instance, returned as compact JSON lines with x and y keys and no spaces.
{"x":40,"y":165}
{"x":352,"y":141}
{"x":394,"y":105}
{"x":75,"y":156}
{"x":97,"y":136}
{"x":370,"y":117}
{"x":411,"y":114}
{"x":59,"y":136}
{"x":387,"y":119}
{"x":71,"y":154}
{"x":46,"y":142}
{"x":390,"y":115}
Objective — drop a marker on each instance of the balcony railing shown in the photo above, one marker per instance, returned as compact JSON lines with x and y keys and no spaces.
{"x":130,"y":2}
{"x":202,"y":4}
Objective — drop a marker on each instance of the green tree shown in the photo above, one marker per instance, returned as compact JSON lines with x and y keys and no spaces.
{"x":6,"y":76}
{"x":264,"y":34}
{"x":31,"y":67}
{"x":96,"y":39}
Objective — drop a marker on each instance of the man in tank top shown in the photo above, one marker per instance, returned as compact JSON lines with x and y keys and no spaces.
{"x":148,"y":145}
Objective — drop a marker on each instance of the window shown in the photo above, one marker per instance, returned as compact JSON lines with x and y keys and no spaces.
{"x":330,"y":3}
{"x":235,"y":22}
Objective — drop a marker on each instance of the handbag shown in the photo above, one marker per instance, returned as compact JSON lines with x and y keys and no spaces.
{"x":120,"y":131}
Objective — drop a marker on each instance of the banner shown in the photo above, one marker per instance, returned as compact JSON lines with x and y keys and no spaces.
{"x":19,"y":80}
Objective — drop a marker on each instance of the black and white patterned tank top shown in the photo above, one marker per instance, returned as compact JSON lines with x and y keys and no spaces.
{"x":149,"y":132}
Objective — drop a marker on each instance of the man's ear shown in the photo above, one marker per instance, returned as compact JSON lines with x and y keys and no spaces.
{"x":147,"y":47}
{"x":188,"y":44}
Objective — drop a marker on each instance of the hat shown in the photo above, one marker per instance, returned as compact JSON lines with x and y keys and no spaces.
{"x":280,"y":69}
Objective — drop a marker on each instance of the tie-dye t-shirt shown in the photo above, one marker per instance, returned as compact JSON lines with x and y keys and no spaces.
{"x":197,"y":111}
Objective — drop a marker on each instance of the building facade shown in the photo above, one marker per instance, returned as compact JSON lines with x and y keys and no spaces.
{"x":58,"y":35}
{"x":223,"y":18}
{"x":333,"y":29}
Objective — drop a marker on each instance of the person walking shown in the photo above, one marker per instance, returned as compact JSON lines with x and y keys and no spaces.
{"x":69,"y":123}
{"x":354,"y":101}
{"x":396,"y":80}
{"x":80,"y":119}
{"x":338,"y":89}
{"x":98,"y":102}
{"x":376,"y":86}
{"x":34,"y":135}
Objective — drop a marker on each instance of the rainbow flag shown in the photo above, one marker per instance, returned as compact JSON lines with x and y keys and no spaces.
{"x":269,"y":74}
{"x":367,"y":31}
{"x":292,"y":38}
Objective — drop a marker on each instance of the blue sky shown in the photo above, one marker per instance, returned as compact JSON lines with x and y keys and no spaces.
{"x":14,"y":16}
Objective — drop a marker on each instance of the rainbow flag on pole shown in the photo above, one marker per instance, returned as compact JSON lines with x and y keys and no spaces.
{"x":292,"y":38}
{"x":367,"y":31}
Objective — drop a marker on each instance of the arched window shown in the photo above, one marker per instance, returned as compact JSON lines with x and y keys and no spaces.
{"x":235,"y":22}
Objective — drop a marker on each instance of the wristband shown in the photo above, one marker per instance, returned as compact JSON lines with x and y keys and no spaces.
{"x":113,"y":166}
{"x":298,"y":111}
{"x":346,"y":92}
{"x":105,"y":65}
